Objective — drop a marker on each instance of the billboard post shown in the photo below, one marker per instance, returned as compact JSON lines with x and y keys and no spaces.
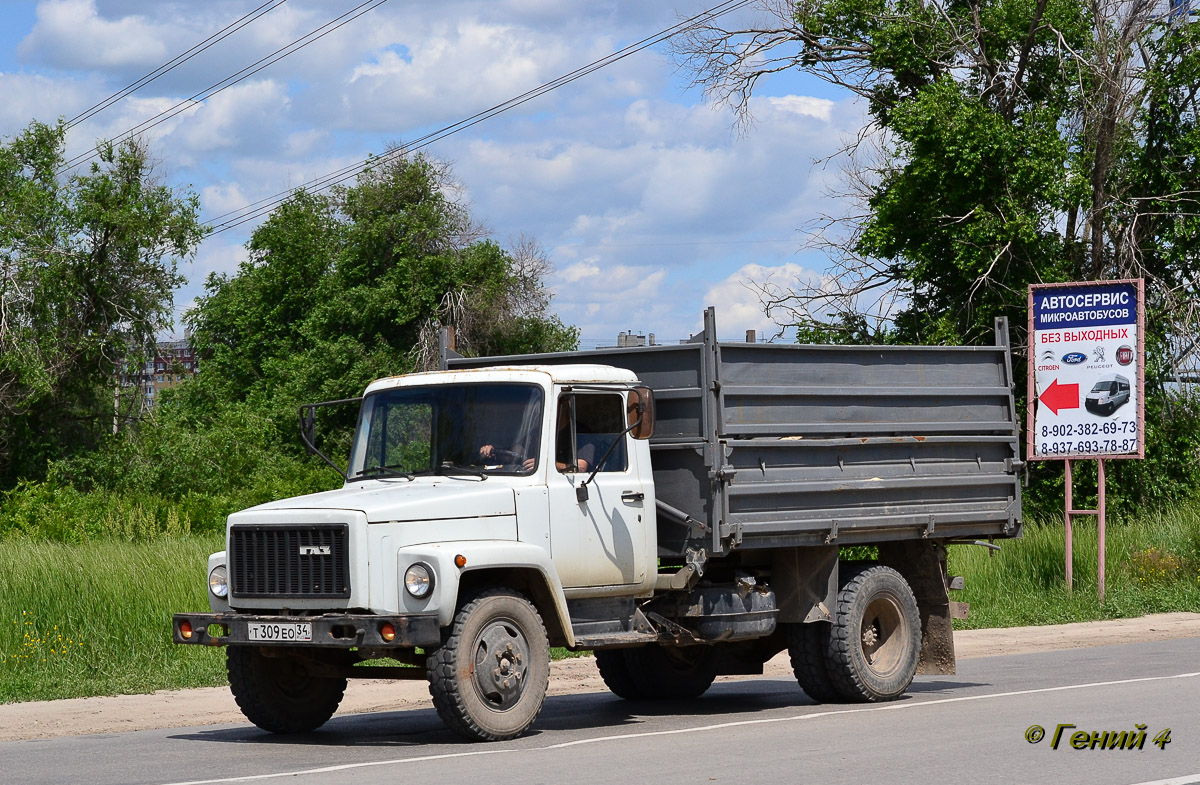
{"x":1085,"y":385}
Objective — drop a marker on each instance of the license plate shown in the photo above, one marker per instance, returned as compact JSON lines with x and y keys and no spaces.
{"x":294,"y":632}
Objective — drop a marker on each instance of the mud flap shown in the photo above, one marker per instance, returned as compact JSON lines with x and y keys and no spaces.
{"x":923,"y":565}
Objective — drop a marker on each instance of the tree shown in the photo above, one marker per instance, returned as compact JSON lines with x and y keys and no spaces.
{"x":87,"y":271}
{"x":1009,"y":142}
{"x":346,"y":287}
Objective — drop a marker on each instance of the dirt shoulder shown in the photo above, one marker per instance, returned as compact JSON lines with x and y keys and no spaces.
{"x":215,"y":706}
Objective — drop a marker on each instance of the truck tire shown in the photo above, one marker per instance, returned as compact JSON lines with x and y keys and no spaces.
{"x":488,"y":679}
{"x":614,"y":670}
{"x":875,"y":641}
{"x":277,"y":694}
{"x":808,"y":647}
{"x":671,"y":672}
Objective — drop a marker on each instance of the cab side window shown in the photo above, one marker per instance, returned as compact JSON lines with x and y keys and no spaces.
{"x":597,"y":421}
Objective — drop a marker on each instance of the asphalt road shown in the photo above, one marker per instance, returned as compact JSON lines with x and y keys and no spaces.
{"x":969,"y":728}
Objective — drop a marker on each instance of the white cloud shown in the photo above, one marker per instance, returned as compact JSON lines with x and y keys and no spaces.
{"x":445,"y":73}
{"x":35,"y":96}
{"x":657,"y":172}
{"x":578,"y":272}
{"x":221,"y":198}
{"x":739,"y":307}
{"x":820,"y":108}
{"x":71,"y":34}
{"x":243,"y":118}
{"x":221,"y":257}
{"x":308,"y":142}
{"x":597,"y":296}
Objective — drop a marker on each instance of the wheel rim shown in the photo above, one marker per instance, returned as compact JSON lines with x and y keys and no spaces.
{"x":501,"y":659}
{"x":681,"y":660}
{"x":290,"y":678}
{"x":883,"y":634}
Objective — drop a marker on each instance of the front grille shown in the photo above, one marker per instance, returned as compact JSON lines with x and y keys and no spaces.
{"x":289,"y":561}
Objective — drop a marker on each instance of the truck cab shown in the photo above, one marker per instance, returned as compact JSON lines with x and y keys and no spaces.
{"x":537,"y":480}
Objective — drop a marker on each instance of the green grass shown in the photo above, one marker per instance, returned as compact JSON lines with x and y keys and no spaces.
{"x":1152,"y":566}
{"x":94,"y":617}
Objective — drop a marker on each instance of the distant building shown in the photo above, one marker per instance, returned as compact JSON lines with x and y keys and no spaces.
{"x":629,"y":339}
{"x":173,"y":362}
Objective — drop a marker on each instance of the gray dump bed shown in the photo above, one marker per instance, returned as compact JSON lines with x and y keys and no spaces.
{"x":765,"y":445}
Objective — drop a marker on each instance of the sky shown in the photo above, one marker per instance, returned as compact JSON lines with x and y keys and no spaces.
{"x":649,"y":202}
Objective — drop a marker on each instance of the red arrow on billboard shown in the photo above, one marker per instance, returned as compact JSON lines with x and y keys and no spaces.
{"x":1060,"y":396}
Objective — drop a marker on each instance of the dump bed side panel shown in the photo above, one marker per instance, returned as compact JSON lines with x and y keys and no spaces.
{"x":760,"y":445}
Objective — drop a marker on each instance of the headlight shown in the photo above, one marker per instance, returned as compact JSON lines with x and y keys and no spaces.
{"x":218,"y":581}
{"x":418,"y":580}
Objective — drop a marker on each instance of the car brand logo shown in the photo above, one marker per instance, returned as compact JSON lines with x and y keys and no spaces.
{"x":1098,"y":354}
{"x":315,"y":550}
{"x":1048,"y":355}
{"x":1125,"y":355}
{"x":1074,"y":358}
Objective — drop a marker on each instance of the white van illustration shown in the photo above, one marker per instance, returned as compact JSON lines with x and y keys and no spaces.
{"x":1109,"y":394}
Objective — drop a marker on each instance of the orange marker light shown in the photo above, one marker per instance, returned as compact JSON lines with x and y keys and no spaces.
{"x":460,"y":561}
{"x":185,"y":629}
{"x":387,"y":631}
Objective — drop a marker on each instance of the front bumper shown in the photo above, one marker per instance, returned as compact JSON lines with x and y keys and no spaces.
{"x":332,"y":630}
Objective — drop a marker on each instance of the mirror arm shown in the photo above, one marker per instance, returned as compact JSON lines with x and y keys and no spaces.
{"x":308,"y":420}
{"x":581,"y":493}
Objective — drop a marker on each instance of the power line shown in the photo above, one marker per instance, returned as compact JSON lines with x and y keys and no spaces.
{"x":675,"y":245}
{"x":230,"y":81}
{"x":176,"y":61}
{"x":264,"y":206}
{"x":255,"y":210}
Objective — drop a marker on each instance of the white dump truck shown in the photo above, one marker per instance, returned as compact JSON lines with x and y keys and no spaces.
{"x":683,"y":511}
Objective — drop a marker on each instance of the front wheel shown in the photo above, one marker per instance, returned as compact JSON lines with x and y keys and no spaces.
{"x":875,"y":641}
{"x":277,"y":693}
{"x":488,"y":680}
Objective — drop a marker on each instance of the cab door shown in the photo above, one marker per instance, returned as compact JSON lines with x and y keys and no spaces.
{"x":599,"y":541}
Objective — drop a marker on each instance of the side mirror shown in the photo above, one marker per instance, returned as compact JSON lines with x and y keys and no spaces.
{"x":308,"y":428}
{"x":639,"y":412}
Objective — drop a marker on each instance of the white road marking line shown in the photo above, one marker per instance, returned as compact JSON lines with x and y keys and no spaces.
{"x":1186,"y":780}
{"x":345,"y":766}
{"x":865,"y":709}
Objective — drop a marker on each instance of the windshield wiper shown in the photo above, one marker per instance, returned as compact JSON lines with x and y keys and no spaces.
{"x":460,"y":469}
{"x":382,"y":471}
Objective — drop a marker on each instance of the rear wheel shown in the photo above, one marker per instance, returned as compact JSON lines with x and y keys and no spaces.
{"x":875,"y":641}
{"x":488,"y":680}
{"x":671,"y":672}
{"x":808,"y":648}
{"x":277,"y":693}
{"x":614,"y":669}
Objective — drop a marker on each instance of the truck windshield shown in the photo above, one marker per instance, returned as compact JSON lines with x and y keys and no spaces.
{"x":460,"y":429}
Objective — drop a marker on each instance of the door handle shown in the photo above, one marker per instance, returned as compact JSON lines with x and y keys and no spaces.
{"x":632,"y":496}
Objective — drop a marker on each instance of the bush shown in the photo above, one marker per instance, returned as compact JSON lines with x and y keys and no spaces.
{"x":172,"y":475}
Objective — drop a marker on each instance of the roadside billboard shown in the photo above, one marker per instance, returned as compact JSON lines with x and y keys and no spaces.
{"x":1085,"y":370}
